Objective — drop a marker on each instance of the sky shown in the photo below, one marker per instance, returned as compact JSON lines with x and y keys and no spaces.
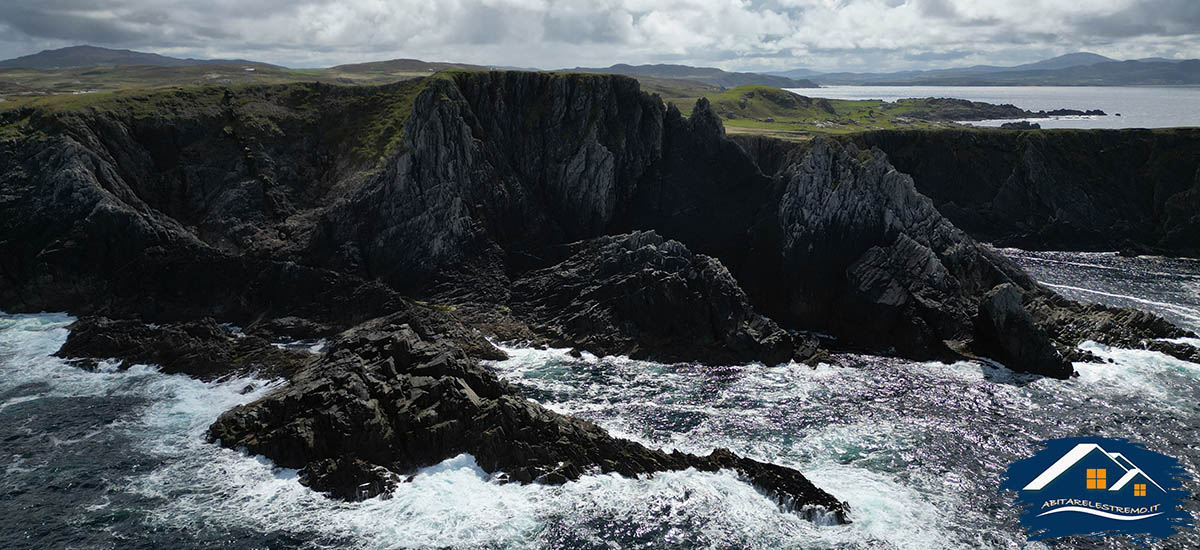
{"x":753,"y":35}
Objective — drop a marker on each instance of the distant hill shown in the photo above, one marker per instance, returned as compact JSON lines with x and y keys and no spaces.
{"x":1080,"y":59}
{"x":401,"y":66}
{"x":1076,"y":69}
{"x":1116,"y":73}
{"x":93,"y":56}
{"x":794,"y":73}
{"x":706,"y":75}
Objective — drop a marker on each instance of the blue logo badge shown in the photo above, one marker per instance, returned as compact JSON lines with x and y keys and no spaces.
{"x":1098,"y":486}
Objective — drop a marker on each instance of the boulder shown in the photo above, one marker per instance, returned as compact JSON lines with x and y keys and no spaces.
{"x":1007,"y":332}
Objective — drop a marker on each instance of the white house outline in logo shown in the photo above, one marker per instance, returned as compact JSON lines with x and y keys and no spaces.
{"x":1076,"y":454}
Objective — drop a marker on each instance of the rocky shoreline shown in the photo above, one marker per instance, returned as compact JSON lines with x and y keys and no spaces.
{"x":566,"y":210}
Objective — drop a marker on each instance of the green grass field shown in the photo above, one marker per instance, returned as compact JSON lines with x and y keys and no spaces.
{"x":774,"y":112}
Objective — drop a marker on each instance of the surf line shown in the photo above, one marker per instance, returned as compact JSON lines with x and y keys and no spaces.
{"x":1185,"y":311}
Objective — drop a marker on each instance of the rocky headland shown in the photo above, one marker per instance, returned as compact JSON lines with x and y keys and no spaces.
{"x":410,"y":222}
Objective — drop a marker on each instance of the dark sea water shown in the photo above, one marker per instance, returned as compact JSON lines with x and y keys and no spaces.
{"x":117,"y":459}
{"x":1139,"y":106}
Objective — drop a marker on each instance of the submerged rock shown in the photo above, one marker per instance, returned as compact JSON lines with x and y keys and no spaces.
{"x":386,"y":401}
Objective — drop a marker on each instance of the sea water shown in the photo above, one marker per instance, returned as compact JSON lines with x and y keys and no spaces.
{"x":117,"y":459}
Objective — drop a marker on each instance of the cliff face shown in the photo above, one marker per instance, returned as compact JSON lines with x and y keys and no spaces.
{"x":329,"y":203}
{"x":183,"y":204}
{"x":851,"y":246}
{"x":1066,"y":190}
{"x":503,"y":163}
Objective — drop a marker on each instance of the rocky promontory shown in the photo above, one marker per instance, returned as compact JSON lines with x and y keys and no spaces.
{"x":648,"y":297}
{"x":385,"y":401}
{"x":418,"y":219}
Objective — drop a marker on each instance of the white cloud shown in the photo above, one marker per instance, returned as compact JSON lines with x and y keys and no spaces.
{"x":736,"y":34}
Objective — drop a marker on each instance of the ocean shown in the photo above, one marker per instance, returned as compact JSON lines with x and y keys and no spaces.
{"x":116,"y":459}
{"x":1139,"y":106}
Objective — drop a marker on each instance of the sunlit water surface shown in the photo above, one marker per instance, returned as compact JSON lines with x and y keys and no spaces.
{"x":117,"y":459}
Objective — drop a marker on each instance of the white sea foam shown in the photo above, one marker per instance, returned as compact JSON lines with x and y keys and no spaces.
{"x":756,"y":410}
{"x":1149,"y":376}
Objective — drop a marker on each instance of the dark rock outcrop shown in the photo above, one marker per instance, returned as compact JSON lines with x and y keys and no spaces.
{"x":1071,"y":112}
{"x":1004,"y":328}
{"x":385,"y":400}
{"x":854,"y":249}
{"x":1021,"y":125}
{"x":954,"y":110}
{"x":1070,"y":323}
{"x":651,"y":298}
{"x":201,"y":348}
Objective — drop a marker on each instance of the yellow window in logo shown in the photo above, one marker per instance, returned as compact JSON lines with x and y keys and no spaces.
{"x":1139,"y":489}
{"x":1096,"y":478}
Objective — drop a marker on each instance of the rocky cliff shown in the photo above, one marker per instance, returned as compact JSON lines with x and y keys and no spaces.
{"x":329,"y":204}
{"x":1136,"y":190}
{"x":565,"y":209}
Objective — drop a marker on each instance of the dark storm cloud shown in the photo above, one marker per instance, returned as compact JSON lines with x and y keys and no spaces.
{"x":57,"y":20}
{"x":745,"y":34}
{"x":1150,"y":17}
{"x":605,"y":27}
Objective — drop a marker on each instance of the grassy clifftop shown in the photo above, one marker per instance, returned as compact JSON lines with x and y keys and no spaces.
{"x":778,"y":113}
{"x":363,"y":123}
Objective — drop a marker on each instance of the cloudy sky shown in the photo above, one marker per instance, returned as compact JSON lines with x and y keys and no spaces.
{"x":858,"y":35}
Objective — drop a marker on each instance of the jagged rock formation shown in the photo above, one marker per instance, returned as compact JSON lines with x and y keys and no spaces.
{"x":484,"y":178}
{"x":853,"y":248}
{"x":618,"y":294}
{"x":511,"y":204}
{"x":385,"y":401}
{"x":1005,"y":329}
{"x":200,"y":348}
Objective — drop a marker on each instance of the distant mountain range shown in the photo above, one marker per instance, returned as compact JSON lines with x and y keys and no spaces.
{"x":706,"y":75}
{"x":1066,"y":70}
{"x":1076,"y":69}
{"x":92,"y":56}
{"x":671,"y":76}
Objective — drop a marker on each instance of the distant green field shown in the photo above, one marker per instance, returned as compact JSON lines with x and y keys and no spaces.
{"x":367,"y":125}
{"x":21,"y":82}
{"x":753,"y":109}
